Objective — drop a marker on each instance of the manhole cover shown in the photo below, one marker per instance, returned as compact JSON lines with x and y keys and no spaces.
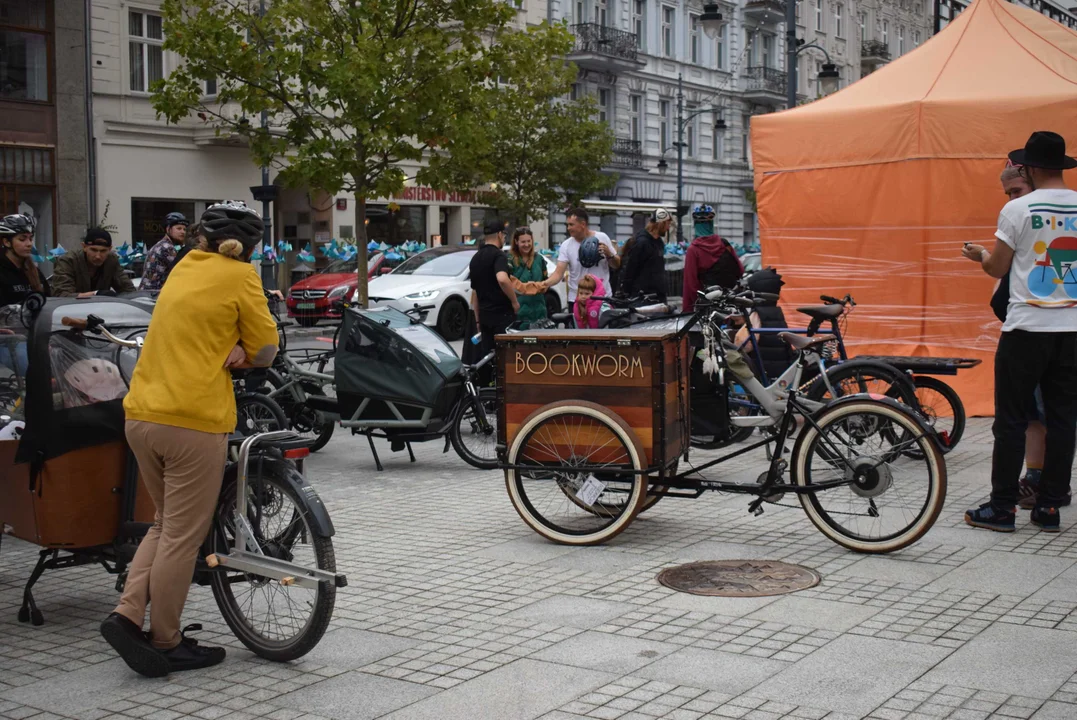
{"x":738,"y":578}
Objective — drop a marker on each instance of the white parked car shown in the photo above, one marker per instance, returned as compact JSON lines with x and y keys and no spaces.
{"x":440,"y":279}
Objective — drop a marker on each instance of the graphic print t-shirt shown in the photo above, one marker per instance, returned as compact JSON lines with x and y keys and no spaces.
{"x":1041,"y":227}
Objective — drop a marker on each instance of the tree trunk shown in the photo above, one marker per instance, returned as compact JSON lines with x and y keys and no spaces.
{"x":360,"y":246}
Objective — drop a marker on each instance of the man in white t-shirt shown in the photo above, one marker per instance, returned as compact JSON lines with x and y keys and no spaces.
{"x":589,"y":262}
{"x":1036,"y":244}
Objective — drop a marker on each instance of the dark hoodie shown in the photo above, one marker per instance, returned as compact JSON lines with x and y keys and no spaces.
{"x":708,"y":256}
{"x":14,"y":285}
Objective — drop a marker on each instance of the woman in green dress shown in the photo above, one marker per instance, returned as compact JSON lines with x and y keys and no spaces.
{"x":526,"y":266}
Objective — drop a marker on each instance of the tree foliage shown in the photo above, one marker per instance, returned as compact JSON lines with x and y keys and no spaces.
{"x":352,"y":88}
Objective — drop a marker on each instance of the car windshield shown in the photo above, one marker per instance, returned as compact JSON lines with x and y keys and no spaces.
{"x":344,"y":266}
{"x":444,"y":262}
{"x":752,"y":262}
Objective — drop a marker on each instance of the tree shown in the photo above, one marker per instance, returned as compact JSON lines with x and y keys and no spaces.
{"x":537,"y":147}
{"x":352,"y":88}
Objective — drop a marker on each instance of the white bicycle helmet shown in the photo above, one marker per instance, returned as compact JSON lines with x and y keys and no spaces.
{"x":97,"y":379}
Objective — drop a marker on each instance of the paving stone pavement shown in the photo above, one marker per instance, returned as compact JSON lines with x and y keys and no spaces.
{"x":455,"y":609}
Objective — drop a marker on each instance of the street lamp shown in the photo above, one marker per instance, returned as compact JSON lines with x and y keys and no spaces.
{"x":711,"y":19}
{"x":829,"y":78}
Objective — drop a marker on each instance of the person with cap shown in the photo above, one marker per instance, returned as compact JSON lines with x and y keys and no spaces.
{"x":160,"y":257}
{"x":1038,"y":346}
{"x":211,"y":317}
{"x":493,"y":297}
{"x":92,"y":269}
{"x":583,"y":252}
{"x":709,"y":261}
{"x":644,"y":271}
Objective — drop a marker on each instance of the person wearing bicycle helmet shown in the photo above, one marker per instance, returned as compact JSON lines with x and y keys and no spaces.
{"x":19,"y":275}
{"x":160,"y":257}
{"x":645,"y":264}
{"x":710,"y":260}
{"x":210,"y":317}
{"x":583,"y":252}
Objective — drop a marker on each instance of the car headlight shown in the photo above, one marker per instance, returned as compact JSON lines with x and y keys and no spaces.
{"x":338,"y":291}
{"x":424,"y":295}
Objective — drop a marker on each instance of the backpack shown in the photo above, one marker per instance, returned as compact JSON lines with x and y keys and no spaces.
{"x":725,"y":271}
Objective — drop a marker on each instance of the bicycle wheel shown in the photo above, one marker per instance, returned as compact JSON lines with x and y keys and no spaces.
{"x":256,"y":413}
{"x":861,"y":376}
{"x":476,"y":445}
{"x":306,"y":421}
{"x":568,"y":505}
{"x":889,"y":500}
{"x":942,"y":408}
{"x":275,"y":621}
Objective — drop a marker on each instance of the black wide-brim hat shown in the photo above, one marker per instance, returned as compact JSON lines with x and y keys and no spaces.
{"x":1046,"y":150}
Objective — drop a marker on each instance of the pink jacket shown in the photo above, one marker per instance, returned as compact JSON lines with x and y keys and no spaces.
{"x":593,"y":308}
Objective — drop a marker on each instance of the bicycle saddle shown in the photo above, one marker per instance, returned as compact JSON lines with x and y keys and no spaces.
{"x":800,"y":342}
{"x":561,"y":317}
{"x":822,"y":312}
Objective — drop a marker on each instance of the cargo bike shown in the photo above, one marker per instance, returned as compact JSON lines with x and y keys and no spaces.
{"x":71,"y":486}
{"x":594,"y":428}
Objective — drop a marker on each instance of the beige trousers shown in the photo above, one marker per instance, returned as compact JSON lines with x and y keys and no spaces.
{"x":182,"y":471}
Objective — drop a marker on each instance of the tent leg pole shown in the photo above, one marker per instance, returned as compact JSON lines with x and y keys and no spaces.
{"x":410,"y":453}
{"x":374,"y":451}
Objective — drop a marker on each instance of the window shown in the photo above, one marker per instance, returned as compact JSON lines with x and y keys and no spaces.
{"x":604,"y":113}
{"x":819,"y":15}
{"x":916,"y":38}
{"x":718,"y":145}
{"x":839,"y":20}
{"x":24,"y":51}
{"x":147,"y":54}
{"x":211,"y":87}
{"x":667,"y":31}
{"x":863,"y":27}
{"x":749,"y":230}
{"x":27,"y":180}
{"x":886,"y":34}
{"x":690,"y":133}
{"x":639,"y":12}
{"x":581,"y":13}
{"x":574,"y":93}
{"x":665,"y":122}
{"x":723,"y":43}
{"x":693,"y":40}
{"x":798,"y":4}
{"x":635,"y":116}
{"x":753,"y":48}
{"x":768,"y":52}
{"x":901,"y":39}
{"x":745,"y":124}
{"x":600,"y":12}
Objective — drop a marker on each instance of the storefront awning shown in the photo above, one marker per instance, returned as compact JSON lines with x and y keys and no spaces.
{"x":616,"y":206}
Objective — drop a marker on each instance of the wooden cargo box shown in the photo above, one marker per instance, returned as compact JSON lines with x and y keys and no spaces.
{"x":641,"y":376}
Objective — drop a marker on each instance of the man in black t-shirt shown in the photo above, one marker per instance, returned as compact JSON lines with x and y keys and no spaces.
{"x":493,"y":298}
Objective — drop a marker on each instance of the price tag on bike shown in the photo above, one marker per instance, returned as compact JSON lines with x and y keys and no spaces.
{"x":590,"y":491}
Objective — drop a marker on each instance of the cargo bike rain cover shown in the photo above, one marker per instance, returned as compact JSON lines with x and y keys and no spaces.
{"x":75,"y":383}
{"x":383,"y":355}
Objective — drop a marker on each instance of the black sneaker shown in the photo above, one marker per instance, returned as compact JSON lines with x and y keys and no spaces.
{"x":128,"y":640}
{"x":990,"y":517}
{"x":1028,"y":492}
{"x":189,"y":655}
{"x":1046,"y":519}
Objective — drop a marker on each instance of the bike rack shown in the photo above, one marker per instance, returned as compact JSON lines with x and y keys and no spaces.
{"x":246,"y":556}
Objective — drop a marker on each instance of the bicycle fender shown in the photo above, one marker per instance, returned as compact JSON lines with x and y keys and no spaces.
{"x":887,"y":400}
{"x":317,"y":514}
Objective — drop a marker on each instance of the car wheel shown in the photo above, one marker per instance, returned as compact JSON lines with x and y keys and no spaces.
{"x":307,"y":321}
{"x":452,"y":319}
{"x":553,"y":303}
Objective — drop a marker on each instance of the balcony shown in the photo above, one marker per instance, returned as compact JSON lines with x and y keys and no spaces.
{"x":604,"y":49}
{"x":765,"y":12}
{"x":627,"y":153}
{"x":874,"y":54}
{"x":765,"y":85}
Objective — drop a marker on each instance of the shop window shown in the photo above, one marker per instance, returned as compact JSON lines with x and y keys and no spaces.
{"x":24,"y":50}
{"x":148,"y":216}
{"x":396,"y":226}
{"x":26,"y":187}
{"x":479,"y":216}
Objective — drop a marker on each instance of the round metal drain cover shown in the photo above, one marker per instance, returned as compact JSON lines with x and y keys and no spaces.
{"x":738,"y":578}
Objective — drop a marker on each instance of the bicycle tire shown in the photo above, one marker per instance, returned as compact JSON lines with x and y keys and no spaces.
{"x":223,"y":584}
{"x":925,"y":385}
{"x":601,"y":526}
{"x":269,"y":416}
{"x":886,"y":413}
{"x":487,"y":398}
{"x":896,"y":384}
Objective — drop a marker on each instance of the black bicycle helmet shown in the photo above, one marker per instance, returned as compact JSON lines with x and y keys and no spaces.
{"x":13,"y":225}
{"x":175,"y":218}
{"x":232,"y":219}
{"x":589,"y":253}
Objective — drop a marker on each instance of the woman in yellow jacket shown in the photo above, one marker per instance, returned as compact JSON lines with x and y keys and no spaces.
{"x":210,"y":317}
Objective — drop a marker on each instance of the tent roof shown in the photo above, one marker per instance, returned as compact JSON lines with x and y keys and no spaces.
{"x":973,"y":90}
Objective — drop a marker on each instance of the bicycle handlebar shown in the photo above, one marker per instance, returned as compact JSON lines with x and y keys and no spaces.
{"x":847,"y":300}
{"x":96,"y":325}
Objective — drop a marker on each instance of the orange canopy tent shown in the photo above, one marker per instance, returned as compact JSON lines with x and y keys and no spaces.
{"x":873,"y":190}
